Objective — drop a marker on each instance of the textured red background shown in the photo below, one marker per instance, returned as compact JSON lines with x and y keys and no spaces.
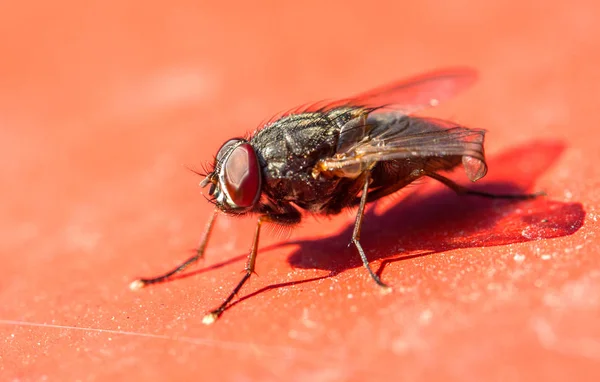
{"x":103,"y":103}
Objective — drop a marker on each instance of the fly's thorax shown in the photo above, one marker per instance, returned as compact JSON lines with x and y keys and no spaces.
{"x":289,"y":149}
{"x":291,"y":146}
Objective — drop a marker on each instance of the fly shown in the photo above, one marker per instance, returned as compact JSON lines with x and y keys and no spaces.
{"x":326,"y":157}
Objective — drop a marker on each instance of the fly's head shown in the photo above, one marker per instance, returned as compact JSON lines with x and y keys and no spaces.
{"x":235,"y":181}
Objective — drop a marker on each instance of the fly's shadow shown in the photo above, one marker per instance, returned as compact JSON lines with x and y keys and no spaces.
{"x":424,"y":224}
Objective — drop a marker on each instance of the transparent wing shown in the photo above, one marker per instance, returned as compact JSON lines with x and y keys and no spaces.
{"x":406,"y":96}
{"x":412,"y":94}
{"x":397,"y":136}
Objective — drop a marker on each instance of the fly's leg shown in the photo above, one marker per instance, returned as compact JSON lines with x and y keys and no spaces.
{"x":140,"y":283}
{"x":292,"y":216}
{"x":461,"y":190}
{"x":390,"y":189}
{"x":356,"y":234}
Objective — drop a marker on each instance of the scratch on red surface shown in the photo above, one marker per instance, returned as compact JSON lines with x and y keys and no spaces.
{"x":238,"y":346}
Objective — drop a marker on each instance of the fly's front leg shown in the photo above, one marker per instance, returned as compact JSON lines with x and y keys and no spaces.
{"x":140,"y":283}
{"x":288,"y":216}
{"x":356,"y":234}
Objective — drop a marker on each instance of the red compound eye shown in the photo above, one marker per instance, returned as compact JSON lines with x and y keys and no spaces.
{"x":241,"y":176}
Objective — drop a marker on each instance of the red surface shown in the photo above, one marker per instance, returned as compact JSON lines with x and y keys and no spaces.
{"x":102,"y":105}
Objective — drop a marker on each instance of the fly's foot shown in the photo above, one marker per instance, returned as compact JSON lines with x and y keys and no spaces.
{"x":385,"y":289}
{"x":137,"y":284}
{"x":211,"y":317}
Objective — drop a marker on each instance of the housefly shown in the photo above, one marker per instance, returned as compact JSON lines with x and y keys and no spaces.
{"x":328,"y":156}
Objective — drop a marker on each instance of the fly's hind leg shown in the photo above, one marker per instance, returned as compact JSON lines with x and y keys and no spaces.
{"x":356,"y":234}
{"x":461,"y":190}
